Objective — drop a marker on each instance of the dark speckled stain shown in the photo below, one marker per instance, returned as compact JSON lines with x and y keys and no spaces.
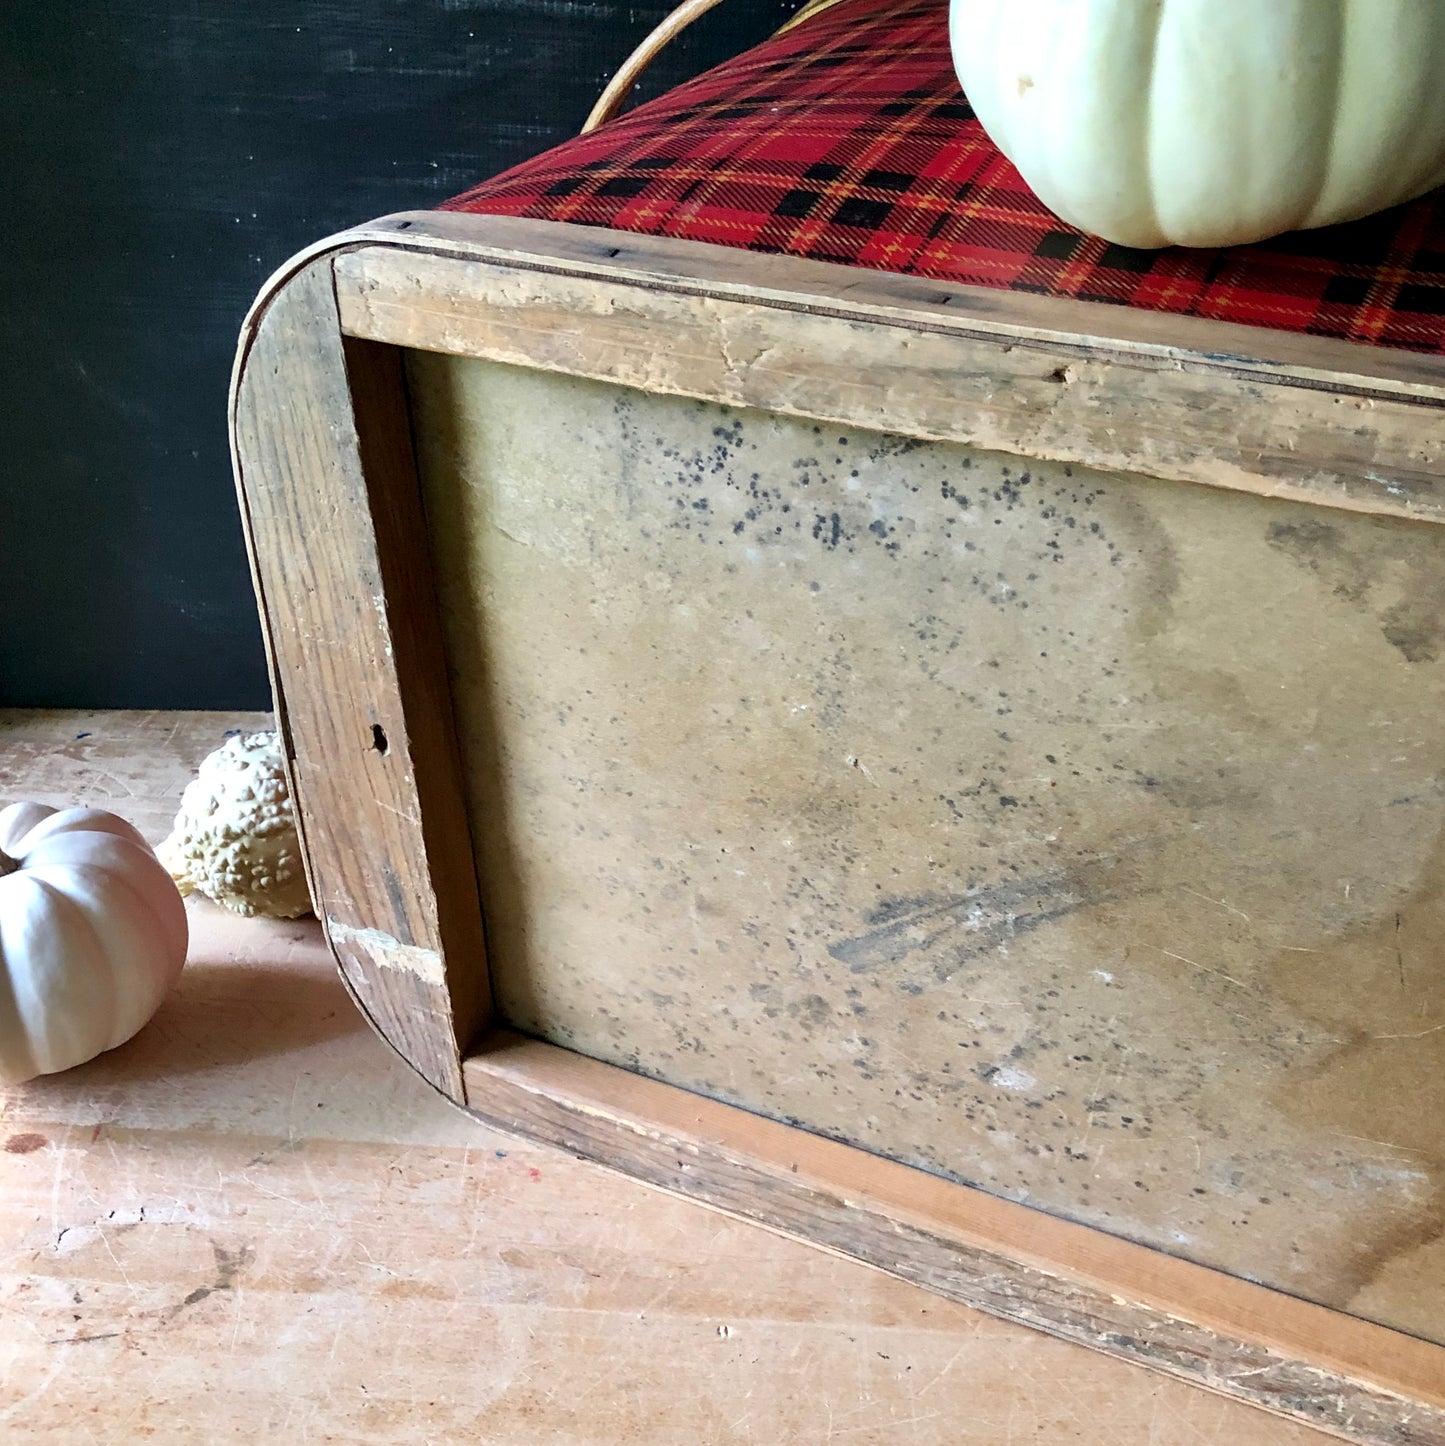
{"x":812,"y":1011}
{"x":1153,"y":550}
{"x":707,"y":480}
{"x":828,"y":529}
{"x":986,"y":733}
{"x":25,"y":1144}
{"x":1416,"y":626}
{"x":1321,"y":547}
{"x":975,"y":922}
{"x":1354,"y":565}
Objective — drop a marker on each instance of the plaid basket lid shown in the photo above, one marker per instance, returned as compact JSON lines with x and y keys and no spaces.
{"x":847,"y":139}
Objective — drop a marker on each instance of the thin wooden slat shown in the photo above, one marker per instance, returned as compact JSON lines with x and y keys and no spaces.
{"x":942,"y":364}
{"x":1018,"y":316}
{"x":1302,"y":1360}
{"x":333,"y":519}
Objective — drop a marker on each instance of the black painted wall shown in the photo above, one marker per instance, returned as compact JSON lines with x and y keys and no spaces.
{"x":159,"y":158}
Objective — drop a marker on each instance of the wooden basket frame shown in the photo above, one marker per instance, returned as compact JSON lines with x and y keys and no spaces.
{"x":332,"y":509}
{"x":614,"y":96}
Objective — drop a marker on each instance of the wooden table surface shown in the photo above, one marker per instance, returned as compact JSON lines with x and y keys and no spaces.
{"x":253,"y":1223}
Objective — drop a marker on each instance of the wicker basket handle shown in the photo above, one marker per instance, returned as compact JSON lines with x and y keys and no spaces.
{"x":620,"y":86}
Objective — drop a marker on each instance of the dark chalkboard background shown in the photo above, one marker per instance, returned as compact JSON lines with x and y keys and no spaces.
{"x":158,"y":161}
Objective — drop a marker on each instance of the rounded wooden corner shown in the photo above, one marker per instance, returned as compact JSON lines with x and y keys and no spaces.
{"x":289,"y":273}
{"x":331,"y":510}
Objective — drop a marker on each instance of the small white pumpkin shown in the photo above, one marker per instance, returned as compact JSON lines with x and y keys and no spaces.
{"x":92,"y":935}
{"x":1209,"y":122}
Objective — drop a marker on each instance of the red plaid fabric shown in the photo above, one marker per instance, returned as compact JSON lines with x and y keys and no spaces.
{"x":848,"y":140}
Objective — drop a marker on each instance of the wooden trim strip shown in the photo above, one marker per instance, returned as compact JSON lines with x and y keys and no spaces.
{"x":614,"y":95}
{"x":1013,"y":317}
{"x":872,"y":352}
{"x":332,"y":512}
{"x":1333,"y":1371}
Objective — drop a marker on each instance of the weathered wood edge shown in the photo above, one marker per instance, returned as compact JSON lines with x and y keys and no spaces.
{"x":1333,"y":1371}
{"x":597,"y":303}
{"x":331,"y":511}
{"x":1022,"y":318}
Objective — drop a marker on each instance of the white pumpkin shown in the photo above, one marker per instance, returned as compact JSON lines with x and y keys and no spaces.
{"x":1209,"y":122}
{"x":92,"y":935}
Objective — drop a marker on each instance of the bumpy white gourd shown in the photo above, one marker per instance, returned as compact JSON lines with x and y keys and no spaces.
{"x":235,"y":837}
{"x":1209,"y":122}
{"x":92,"y":935}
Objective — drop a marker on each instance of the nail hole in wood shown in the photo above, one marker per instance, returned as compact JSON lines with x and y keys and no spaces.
{"x":378,"y":738}
{"x":615,"y":251}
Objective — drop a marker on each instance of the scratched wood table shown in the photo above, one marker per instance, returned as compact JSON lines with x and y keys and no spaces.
{"x":243,"y":1226}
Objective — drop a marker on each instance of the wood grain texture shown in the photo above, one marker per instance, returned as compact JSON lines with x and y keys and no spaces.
{"x":329,"y":497}
{"x":253,"y":1216}
{"x":1009,"y":316}
{"x":1342,"y":1375}
{"x":1227,"y":406}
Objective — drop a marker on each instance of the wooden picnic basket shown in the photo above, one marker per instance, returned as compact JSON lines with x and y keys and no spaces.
{"x":816,"y":685}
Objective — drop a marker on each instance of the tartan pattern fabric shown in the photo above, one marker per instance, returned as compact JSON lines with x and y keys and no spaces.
{"x":848,"y":140}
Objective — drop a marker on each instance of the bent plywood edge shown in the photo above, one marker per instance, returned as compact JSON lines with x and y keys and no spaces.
{"x":332,"y":515}
{"x":331,"y":504}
